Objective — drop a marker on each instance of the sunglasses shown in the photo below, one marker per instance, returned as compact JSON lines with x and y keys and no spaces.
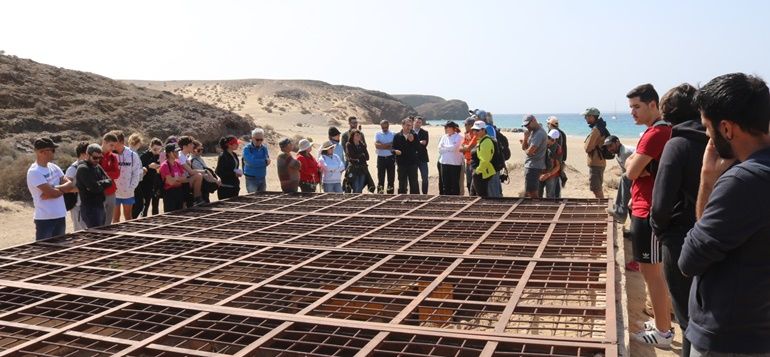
{"x":259,"y":140}
{"x":96,"y":157}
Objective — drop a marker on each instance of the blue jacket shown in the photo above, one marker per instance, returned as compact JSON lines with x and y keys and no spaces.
{"x":255,"y":160}
{"x":727,"y":253}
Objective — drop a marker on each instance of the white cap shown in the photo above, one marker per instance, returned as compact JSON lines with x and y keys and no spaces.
{"x":479,"y":125}
{"x":553,"y":134}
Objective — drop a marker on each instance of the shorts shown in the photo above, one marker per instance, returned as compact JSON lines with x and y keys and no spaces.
{"x":596,"y":178}
{"x":645,"y":246}
{"x":124,"y":201}
{"x":532,"y":179}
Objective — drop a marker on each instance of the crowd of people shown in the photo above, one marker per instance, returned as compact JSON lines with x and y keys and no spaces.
{"x":695,"y":187}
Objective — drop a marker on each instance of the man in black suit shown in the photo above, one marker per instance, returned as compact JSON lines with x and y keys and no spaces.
{"x":422,"y":152}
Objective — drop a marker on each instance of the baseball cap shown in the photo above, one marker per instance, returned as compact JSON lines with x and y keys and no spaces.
{"x":592,"y":111}
{"x":611,"y":139}
{"x":553,"y":134}
{"x":553,"y":120}
{"x":479,"y":125}
{"x":470,"y":120}
{"x":527,"y":119}
{"x":45,"y":143}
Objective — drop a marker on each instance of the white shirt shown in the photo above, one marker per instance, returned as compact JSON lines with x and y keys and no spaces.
{"x":331,"y":168}
{"x":52,"y":175}
{"x":449,"y":150}
{"x":182,"y":158}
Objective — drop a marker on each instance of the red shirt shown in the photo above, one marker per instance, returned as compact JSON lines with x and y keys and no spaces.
{"x":110,"y":165}
{"x":651,"y":144}
{"x":308,"y":172}
{"x":176,"y":170}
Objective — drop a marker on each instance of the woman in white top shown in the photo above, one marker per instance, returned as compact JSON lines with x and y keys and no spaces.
{"x":331,"y":168}
{"x":450,"y":159}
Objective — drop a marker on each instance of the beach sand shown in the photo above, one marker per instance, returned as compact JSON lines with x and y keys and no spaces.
{"x":18,"y":227}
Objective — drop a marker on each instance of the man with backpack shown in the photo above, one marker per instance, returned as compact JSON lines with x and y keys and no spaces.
{"x":534,"y":145}
{"x":501,"y":146}
{"x":646,"y":246}
{"x":72,"y":199}
{"x":593,"y":148}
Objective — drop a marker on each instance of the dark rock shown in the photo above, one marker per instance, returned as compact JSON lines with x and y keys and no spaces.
{"x":432,"y":107}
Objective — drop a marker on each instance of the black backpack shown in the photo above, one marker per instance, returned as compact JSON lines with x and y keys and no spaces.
{"x":498,"y":161}
{"x":71,"y":198}
{"x":502,"y":142}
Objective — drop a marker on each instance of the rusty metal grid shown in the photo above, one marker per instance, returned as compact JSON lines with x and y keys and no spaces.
{"x":322,"y":275}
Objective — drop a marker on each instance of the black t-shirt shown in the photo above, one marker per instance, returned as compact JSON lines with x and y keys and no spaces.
{"x":422,"y":150}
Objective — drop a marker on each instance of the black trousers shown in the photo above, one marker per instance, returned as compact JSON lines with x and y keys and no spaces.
{"x":307,"y":187}
{"x":228,"y":192}
{"x":440,"y":179}
{"x":407,"y":174}
{"x":151,"y":200}
{"x":481,"y":185}
{"x":138,"y":206}
{"x":678,"y":285}
{"x":386,"y":165}
{"x":450,"y":179}
{"x":174,"y":199}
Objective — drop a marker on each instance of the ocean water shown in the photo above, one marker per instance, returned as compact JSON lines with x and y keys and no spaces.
{"x":572,"y":124}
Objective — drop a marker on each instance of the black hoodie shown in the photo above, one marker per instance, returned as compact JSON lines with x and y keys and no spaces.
{"x":727,"y":253}
{"x":677,"y":181}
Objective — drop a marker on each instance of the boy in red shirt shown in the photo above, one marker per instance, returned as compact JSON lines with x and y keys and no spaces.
{"x":641,"y":168}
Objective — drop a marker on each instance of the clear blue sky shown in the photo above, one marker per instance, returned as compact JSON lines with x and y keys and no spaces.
{"x":505,"y":56}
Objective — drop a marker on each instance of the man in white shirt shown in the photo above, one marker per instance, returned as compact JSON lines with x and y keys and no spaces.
{"x":620,"y":209}
{"x":130,"y":175}
{"x":386,"y":161}
{"x":47,"y":183}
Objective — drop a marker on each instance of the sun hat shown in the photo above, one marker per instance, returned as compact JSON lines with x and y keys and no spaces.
{"x":328,"y":145}
{"x":303,"y":145}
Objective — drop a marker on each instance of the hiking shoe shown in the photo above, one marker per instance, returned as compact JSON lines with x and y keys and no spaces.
{"x":654,"y":338}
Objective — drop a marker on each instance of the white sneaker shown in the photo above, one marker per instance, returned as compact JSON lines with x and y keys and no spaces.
{"x":649,"y":325}
{"x":655,"y":338}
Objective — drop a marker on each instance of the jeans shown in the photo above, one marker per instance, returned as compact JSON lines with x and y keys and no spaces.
{"x":552,"y":187}
{"x":678,"y":285}
{"x":255,"y":184}
{"x":495,"y":187}
{"x":47,"y":228}
{"x":423,"y":167}
{"x":93,"y":216}
{"x":332,"y":187}
{"x":386,"y":165}
{"x":481,"y":185}
{"x":407,"y":174}
{"x":450,"y":179}
{"x":109,"y":209}
{"x":357,"y":183}
{"x":622,"y":198}
{"x":469,"y":180}
{"x":77,"y":221}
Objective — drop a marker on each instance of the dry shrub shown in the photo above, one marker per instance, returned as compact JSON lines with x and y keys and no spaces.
{"x":612,"y":182}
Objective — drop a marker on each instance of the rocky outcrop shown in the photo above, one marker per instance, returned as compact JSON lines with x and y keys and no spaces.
{"x":433,"y":107}
{"x":38,"y":99}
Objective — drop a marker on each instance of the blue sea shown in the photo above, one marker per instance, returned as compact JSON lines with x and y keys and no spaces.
{"x":572,"y":124}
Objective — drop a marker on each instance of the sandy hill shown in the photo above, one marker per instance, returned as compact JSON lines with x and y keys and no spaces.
{"x":301,"y":101}
{"x":433,"y":107}
{"x":38,"y":99}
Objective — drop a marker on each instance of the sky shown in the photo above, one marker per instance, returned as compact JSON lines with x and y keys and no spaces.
{"x":503,"y":56}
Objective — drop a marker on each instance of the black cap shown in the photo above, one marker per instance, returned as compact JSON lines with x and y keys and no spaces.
{"x":333,"y":131}
{"x":451,"y":124}
{"x":611,"y":139}
{"x":45,"y":143}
